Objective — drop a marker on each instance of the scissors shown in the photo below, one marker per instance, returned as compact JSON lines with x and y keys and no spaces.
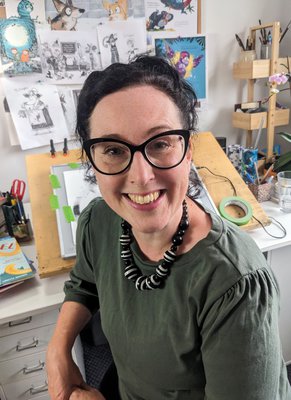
{"x":18,"y":189}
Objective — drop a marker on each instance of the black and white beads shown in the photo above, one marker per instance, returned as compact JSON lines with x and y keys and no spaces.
{"x":155,"y":280}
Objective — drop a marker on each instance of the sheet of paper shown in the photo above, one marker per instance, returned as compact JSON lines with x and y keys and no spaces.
{"x":79,"y":194}
{"x":36,"y":111}
{"x":170,"y":18}
{"x":37,"y":12}
{"x":121,"y":41}
{"x":68,"y":57}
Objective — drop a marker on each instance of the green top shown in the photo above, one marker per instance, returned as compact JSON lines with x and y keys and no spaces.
{"x":210,"y":333}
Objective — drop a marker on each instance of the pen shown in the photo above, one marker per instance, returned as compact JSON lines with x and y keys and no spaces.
{"x":267,"y":173}
{"x":21,"y":213}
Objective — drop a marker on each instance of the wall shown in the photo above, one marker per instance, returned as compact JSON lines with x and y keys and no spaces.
{"x":220,"y":20}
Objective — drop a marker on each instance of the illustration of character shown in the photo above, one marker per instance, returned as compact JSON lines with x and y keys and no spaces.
{"x":184,"y":5}
{"x":24,"y":56}
{"x":35,"y":110}
{"x":117,"y":10}
{"x":158,"y":20}
{"x":183,"y":61}
{"x":18,"y":27}
{"x":132,"y":51}
{"x":67,"y":17}
{"x":111,"y":42}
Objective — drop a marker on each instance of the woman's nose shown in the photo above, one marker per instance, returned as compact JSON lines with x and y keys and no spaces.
{"x":140,"y":171}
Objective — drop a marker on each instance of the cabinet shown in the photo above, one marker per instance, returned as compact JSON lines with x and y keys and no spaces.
{"x":257,"y":69}
{"x":23,"y":344}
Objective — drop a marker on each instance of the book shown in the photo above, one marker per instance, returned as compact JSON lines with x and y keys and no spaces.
{"x":14,"y":265}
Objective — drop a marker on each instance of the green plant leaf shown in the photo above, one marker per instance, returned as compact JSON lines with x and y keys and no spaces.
{"x":281,"y":163}
{"x":285,"y":135}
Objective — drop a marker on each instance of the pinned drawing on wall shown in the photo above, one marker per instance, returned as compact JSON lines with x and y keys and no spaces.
{"x":37,"y":13}
{"x":120,"y":41}
{"x":18,"y":42}
{"x":188,"y":55}
{"x":170,"y":18}
{"x":69,"y":108}
{"x":68,"y":57}
{"x":66,"y":15}
{"x":36,"y":112}
{"x":79,"y":193}
{"x":117,"y":9}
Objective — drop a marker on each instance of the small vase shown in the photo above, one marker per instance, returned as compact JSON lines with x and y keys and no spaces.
{"x":248,"y":55}
{"x":266,"y":51}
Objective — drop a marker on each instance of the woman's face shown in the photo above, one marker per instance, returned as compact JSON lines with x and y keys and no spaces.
{"x":150,"y":199}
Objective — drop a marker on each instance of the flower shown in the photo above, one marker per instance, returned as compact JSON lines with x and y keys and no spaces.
{"x":279,"y":79}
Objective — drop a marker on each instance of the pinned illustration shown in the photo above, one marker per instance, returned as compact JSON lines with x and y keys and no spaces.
{"x":117,"y":10}
{"x":18,"y":41}
{"x":67,"y":17}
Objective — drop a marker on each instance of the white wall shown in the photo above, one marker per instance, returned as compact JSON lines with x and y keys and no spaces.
{"x":220,"y":21}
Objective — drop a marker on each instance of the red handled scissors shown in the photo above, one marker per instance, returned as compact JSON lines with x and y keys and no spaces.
{"x":18,"y":189}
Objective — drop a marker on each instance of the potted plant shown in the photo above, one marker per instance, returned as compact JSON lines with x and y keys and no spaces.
{"x":283,"y":162}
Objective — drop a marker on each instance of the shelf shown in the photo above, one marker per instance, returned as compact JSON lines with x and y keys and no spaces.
{"x":252,"y":121}
{"x":256,"y":69}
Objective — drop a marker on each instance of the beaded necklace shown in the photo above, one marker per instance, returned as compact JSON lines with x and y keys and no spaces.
{"x":155,"y":280}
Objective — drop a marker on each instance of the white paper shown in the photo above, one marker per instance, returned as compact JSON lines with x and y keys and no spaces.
{"x":79,"y":194}
{"x":170,"y":18}
{"x":36,"y":112}
{"x":68,"y":57}
{"x":37,"y":14}
{"x":121,"y":41}
{"x":69,"y":108}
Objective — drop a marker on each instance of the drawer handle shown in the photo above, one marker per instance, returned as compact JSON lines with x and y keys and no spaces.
{"x":21,"y":347}
{"x":39,"y":389}
{"x":20,"y":322}
{"x":29,"y":370}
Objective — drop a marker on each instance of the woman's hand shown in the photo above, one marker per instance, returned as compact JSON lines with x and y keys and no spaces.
{"x":86,"y":393}
{"x":63,"y":374}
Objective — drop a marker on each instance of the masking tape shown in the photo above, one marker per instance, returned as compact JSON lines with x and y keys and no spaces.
{"x":54,"y":181}
{"x":74,"y":165}
{"x":54,"y":202}
{"x":239,"y":202}
{"x":68,"y":213}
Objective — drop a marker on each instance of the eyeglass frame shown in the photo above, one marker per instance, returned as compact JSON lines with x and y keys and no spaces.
{"x":185,"y":133}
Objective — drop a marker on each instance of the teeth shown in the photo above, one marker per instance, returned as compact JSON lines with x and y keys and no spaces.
{"x":137,"y":198}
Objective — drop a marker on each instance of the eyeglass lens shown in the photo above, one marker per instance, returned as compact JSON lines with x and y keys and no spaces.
{"x":112,"y":157}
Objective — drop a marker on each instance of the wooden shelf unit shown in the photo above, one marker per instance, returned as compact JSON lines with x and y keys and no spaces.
{"x":256,"y":69}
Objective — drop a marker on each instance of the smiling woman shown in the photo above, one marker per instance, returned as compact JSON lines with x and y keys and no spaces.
{"x":187,"y":302}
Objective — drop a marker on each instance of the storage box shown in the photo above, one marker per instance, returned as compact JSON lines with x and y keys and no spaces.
{"x":251,"y":121}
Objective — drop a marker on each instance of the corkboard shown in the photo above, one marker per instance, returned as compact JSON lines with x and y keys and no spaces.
{"x":207,"y":152}
{"x":44,"y":218}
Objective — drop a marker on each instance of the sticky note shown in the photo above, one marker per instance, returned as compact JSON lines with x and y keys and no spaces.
{"x":54,"y":202}
{"x":68,"y":213}
{"x":54,"y":181}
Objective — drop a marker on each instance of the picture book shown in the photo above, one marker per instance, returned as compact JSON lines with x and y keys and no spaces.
{"x":14,"y":266}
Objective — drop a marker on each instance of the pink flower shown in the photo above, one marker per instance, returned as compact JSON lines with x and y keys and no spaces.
{"x":279,"y":79}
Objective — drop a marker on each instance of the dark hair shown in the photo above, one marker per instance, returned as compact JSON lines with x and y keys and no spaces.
{"x":144,"y":70}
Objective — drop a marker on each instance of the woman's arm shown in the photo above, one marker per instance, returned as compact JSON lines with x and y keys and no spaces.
{"x":63,"y":373}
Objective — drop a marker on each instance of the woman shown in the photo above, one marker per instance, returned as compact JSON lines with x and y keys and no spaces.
{"x":187,"y":301}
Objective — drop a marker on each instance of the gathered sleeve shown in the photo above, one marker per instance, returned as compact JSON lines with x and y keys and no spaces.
{"x":81,"y":287}
{"x":240,"y":347}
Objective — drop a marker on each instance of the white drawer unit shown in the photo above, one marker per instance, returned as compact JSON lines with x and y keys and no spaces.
{"x":30,"y":322}
{"x":23,"y":344}
{"x":26,"y":389}
{"x":22,"y":367}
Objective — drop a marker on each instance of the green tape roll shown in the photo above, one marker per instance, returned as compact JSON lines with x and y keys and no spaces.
{"x":54,"y":181}
{"x":68,"y":213}
{"x":54,"y":202}
{"x":239,"y":202}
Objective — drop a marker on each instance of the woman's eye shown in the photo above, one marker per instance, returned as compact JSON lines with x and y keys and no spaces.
{"x":113,"y":151}
{"x":160,"y":145}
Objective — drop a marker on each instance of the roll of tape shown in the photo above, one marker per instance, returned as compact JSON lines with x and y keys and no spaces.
{"x":239,"y":202}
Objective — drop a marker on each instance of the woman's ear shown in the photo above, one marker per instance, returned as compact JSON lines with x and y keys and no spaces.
{"x":189,"y":151}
